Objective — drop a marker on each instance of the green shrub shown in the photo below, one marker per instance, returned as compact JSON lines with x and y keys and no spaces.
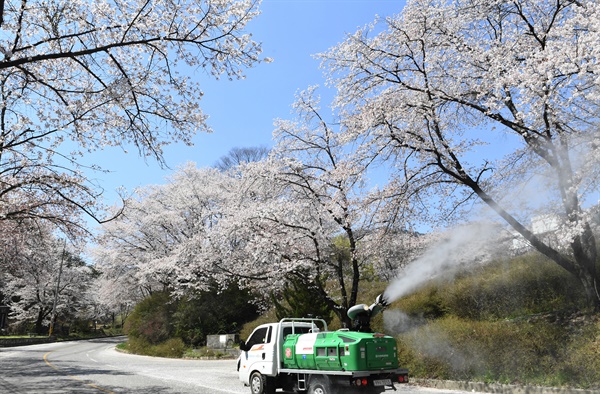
{"x":173,"y":347}
{"x":112,"y":331}
{"x":138,"y":345}
{"x":296,"y":299}
{"x":151,"y":320}
{"x":512,"y":321}
{"x":80,"y":327}
{"x":162,"y":325}
{"x":212,"y":312}
{"x":267,"y":317}
{"x":542,"y":351}
{"x":419,"y":363}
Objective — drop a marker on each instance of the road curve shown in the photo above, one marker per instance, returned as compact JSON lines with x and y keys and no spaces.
{"x":94,"y":366}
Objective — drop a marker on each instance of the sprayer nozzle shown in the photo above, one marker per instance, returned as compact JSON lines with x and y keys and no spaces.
{"x":381,"y":300}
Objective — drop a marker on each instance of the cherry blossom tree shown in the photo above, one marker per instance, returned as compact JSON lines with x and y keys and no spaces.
{"x":162,"y":241}
{"x":250,"y":225}
{"x":12,"y":242}
{"x":438,"y":83}
{"x":318,"y":171}
{"x":197,"y":232}
{"x":79,"y":76}
{"x":44,"y":277}
{"x":271,"y":231}
{"x":299,"y":216}
{"x":114,"y":293}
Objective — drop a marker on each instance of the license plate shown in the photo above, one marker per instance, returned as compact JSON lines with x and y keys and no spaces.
{"x":382,"y":382}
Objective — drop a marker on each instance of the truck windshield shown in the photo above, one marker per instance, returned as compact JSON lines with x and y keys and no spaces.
{"x":259,"y":336}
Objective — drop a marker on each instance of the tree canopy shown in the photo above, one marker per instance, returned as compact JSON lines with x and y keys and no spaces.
{"x":79,"y":76}
{"x":444,"y":79}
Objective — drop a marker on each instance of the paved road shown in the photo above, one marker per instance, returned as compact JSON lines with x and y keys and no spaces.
{"x":95,"y":367}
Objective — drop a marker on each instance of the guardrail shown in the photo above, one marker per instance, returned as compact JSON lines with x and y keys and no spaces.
{"x":10,"y":342}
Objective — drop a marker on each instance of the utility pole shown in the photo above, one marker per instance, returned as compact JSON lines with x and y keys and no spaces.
{"x":60,"y":267}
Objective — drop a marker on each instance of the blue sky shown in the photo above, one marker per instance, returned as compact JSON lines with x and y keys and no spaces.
{"x":241,"y":113}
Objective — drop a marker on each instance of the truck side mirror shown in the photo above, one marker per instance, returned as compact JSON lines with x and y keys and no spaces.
{"x":243,"y":346}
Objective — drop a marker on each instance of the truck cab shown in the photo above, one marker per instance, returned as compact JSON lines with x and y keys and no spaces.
{"x":260,"y":353}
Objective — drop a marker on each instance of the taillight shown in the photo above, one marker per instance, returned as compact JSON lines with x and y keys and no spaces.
{"x":402,"y":378}
{"x":361,"y":382}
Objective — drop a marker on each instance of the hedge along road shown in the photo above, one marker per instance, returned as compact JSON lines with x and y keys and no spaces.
{"x":94,"y":366}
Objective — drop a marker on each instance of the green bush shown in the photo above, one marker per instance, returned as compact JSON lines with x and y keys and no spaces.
{"x":112,"y":331}
{"x":138,"y":345}
{"x":420,"y":364}
{"x":81,"y":327}
{"x":151,"y":320}
{"x":212,"y":312}
{"x":296,"y":299}
{"x":430,"y":302}
{"x":267,"y":317}
{"x":162,"y":325}
{"x":173,"y":347}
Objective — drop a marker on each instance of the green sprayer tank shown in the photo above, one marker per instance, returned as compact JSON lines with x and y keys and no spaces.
{"x":339,"y":351}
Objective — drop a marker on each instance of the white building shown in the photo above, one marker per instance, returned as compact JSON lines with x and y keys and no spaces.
{"x":542,"y":226}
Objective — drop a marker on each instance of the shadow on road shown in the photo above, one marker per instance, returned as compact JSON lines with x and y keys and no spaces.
{"x":34,"y":377}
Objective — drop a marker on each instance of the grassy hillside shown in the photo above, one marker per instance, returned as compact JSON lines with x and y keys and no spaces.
{"x":514,"y":321}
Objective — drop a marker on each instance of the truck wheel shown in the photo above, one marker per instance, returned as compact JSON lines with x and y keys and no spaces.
{"x":319,"y":386}
{"x":260,"y":384}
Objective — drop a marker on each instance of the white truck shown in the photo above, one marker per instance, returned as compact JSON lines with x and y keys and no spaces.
{"x":301,"y":356}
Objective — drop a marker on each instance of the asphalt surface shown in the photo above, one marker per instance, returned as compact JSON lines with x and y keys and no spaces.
{"x":94,"y":366}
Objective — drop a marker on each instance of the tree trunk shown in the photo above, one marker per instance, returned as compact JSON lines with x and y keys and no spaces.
{"x":38,"y":322}
{"x":589,"y":284}
{"x":585,"y":255}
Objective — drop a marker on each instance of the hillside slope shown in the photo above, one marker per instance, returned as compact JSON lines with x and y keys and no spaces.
{"x":514,"y":321}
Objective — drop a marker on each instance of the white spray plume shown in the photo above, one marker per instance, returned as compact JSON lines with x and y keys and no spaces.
{"x":466,"y":245}
{"x":395,"y":321}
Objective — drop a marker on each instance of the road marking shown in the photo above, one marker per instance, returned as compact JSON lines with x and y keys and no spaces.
{"x":72,"y":376}
{"x":88,"y":356}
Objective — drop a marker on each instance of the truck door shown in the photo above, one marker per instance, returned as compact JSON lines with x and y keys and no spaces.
{"x":260,"y":355}
{"x":269,"y":353}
